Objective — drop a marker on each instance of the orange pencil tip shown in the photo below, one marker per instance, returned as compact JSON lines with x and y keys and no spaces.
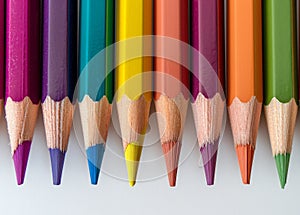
{"x":171,"y":152}
{"x":245,"y":156}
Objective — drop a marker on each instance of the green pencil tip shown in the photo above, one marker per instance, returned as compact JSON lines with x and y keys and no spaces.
{"x":282,"y":164}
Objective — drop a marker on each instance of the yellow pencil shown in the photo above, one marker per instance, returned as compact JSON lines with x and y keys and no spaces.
{"x":133,"y":20}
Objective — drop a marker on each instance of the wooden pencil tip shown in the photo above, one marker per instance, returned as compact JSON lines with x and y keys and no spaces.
{"x":245,"y":155}
{"x":209,"y":158}
{"x":282,"y":164}
{"x":20,"y":158}
{"x":171,"y":152}
{"x":95,"y":156}
{"x":133,"y":153}
{"x":57,"y":162}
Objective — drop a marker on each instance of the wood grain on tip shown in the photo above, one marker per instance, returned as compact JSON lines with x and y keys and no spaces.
{"x":21,"y":118}
{"x":58,"y":117}
{"x":95,"y":119}
{"x":281,"y":119}
{"x":172,"y":114}
{"x":133,"y":117}
{"x":208,"y":115}
{"x":244,"y":50}
{"x":244,"y":120}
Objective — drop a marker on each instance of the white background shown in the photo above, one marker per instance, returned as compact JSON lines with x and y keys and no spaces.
{"x":114,"y":196}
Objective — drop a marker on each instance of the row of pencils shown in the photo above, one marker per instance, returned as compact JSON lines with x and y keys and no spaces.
{"x":58,"y":52}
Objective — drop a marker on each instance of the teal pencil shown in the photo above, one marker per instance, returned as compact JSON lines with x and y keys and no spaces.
{"x":95,"y":81}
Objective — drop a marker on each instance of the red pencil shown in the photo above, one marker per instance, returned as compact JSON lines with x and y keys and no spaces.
{"x":22,"y":78}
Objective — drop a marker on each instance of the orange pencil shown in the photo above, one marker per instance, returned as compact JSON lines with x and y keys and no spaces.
{"x":244,"y":78}
{"x":171,"y":22}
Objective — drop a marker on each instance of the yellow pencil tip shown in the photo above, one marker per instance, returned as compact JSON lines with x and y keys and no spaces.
{"x":131,"y":183}
{"x":132,"y":157}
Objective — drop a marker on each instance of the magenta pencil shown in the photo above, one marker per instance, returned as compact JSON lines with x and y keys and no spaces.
{"x":22,"y":78}
{"x":2,"y":47}
{"x":208,"y":102}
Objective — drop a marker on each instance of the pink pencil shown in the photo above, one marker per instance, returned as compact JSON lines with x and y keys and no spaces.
{"x":2,"y":47}
{"x":22,"y":78}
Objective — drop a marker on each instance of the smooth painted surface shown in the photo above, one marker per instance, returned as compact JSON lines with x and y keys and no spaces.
{"x":171,"y":21}
{"x":2,"y":47}
{"x":208,"y":37}
{"x":59,"y":49}
{"x":133,"y":20}
{"x":244,"y":50}
{"x":280,"y":51}
{"x":23,"y":53}
{"x":92,"y":45}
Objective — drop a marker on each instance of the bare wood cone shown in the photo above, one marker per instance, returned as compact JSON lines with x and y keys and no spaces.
{"x":173,"y":110}
{"x":21,"y":117}
{"x":281,"y":119}
{"x":58,"y":118}
{"x":95,"y":119}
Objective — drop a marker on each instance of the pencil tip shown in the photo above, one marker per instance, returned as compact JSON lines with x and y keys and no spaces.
{"x":209,"y":157}
{"x":171,"y":152}
{"x":131,"y":183}
{"x":133,"y":153}
{"x":95,"y":156}
{"x":282,"y":164}
{"x":20,"y":158}
{"x":57,"y":162}
{"x":245,"y":155}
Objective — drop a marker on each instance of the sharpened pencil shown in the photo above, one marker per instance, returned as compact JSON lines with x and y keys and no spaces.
{"x":59,"y":78}
{"x":22,"y":98}
{"x":171,"y":21}
{"x":134,"y":19}
{"x":95,"y":102}
{"x":245,"y":96}
{"x":208,"y":102}
{"x":280,"y":79}
{"x":2,"y":54}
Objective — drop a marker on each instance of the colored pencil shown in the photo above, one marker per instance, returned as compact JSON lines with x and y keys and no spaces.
{"x":134,"y":19}
{"x":208,"y":100}
{"x":2,"y":56}
{"x":245,"y":78}
{"x":59,"y":77}
{"x":171,"y":20}
{"x":95,"y":102}
{"x":280,"y":79}
{"x":22,"y":78}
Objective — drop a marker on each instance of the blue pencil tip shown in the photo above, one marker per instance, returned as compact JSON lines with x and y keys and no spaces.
{"x":57,"y":164}
{"x":95,"y":157}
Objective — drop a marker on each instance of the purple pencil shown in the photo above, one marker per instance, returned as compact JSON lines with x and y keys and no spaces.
{"x":22,"y":78}
{"x":59,"y":78}
{"x":2,"y":57}
{"x":208,"y":101}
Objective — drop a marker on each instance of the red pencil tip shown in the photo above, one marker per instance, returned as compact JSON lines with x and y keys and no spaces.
{"x":20,"y":158}
{"x":171,"y":152}
{"x":245,"y":156}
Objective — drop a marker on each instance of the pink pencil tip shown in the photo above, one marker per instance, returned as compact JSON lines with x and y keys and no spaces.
{"x":20,"y":158}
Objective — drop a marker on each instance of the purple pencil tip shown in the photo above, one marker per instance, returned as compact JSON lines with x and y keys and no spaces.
{"x":20,"y":158}
{"x":209,"y":157}
{"x":57,"y":164}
